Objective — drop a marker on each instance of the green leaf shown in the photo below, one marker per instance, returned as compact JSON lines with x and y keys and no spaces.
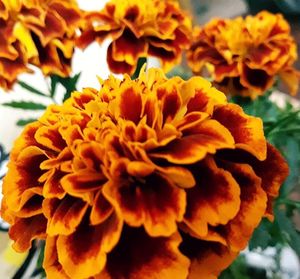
{"x":290,"y":147}
{"x":288,"y":230}
{"x":25,"y":105}
{"x":23,"y":122}
{"x":3,"y":155}
{"x":237,"y":270}
{"x":54,"y":81}
{"x":69,"y":84}
{"x":261,"y":237}
{"x":31,"y":89}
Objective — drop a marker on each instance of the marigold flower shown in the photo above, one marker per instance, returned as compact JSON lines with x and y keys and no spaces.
{"x":39,"y":33}
{"x":139,"y":29}
{"x":244,"y":56}
{"x":145,"y":178}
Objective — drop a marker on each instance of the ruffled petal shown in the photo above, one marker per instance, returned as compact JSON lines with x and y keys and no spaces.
{"x":208,"y":259}
{"x":153,"y":257}
{"x":51,"y":264}
{"x":247,"y":130}
{"x":82,"y":183}
{"x":215,"y":200}
{"x":205,"y":138}
{"x":81,"y":258}
{"x":253,"y":205}
{"x":64,"y":216}
{"x":153,"y":202}
{"x":27,"y":229}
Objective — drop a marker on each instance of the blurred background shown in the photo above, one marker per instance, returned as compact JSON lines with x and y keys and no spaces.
{"x":204,"y":10}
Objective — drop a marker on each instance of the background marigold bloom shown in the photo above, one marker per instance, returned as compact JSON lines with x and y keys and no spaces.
{"x":39,"y":33}
{"x":139,"y":29}
{"x":149,"y":174}
{"x":244,"y":56}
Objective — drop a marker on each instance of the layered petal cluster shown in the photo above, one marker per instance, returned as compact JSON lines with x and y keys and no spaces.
{"x":245,"y":56}
{"x":139,"y":29}
{"x":39,"y":33}
{"x":146,"y":178}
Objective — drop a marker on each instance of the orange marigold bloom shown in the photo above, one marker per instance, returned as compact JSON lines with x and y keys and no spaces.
{"x":39,"y":33}
{"x":145,"y":178}
{"x":139,"y":29}
{"x":244,"y":56}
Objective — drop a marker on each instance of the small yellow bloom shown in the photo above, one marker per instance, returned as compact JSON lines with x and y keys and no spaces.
{"x":39,"y":33}
{"x":139,"y":29}
{"x":244,"y":56}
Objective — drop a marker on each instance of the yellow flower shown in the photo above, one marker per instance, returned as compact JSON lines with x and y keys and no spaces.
{"x":139,"y":29}
{"x":39,"y":33}
{"x":244,"y":56}
{"x":152,"y":174}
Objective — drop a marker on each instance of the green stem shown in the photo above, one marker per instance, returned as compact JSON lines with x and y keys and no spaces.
{"x":139,"y":66}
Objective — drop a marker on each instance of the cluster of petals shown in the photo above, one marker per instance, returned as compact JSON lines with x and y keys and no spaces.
{"x":246,"y":56}
{"x":146,"y":178}
{"x":39,"y":33}
{"x":139,"y":29}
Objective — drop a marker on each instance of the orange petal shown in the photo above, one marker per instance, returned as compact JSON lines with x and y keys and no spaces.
{"x":91,"y":154}
{"x":200,"y":96}
{"x":50,"y":137}
{"x":152,"y":201}
{"x":27,"y":229}
{"x":67,"y":11}
{"x":291,"y":78}
{"x":130,"y":98}
{"x":215,"y":200}
{"x":139,"y":169}
{"x":205,"y":138}
{"x":52,"y":187}
{"x":82,"y":183}
{"x":83,"y":259}
{"x":55,"y":163}
{"x":21,"y":181}
{"x":52,"y":28}
{"x":128,"y":48}
{"x":273,"y":171}
{"x":261,"y":55}
{"x":10,"y":69}
{"x":253,"y":205}
{"x":51,"y":264}
{"x":118,"y":67}
{"x":146,"y":257}
{"x":255,"y":79}
{"x":247,"y":130}
{"x":64,"y":216}
{"x":171,"y":101}
{"x":101,"y":209}
{"x":167,"y":58}
{"x":208,"y":259}
{"x":190,"y":120}
{"x":26,"y":139}
{"x":182,"y":177}
{"x":30,"y":204}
